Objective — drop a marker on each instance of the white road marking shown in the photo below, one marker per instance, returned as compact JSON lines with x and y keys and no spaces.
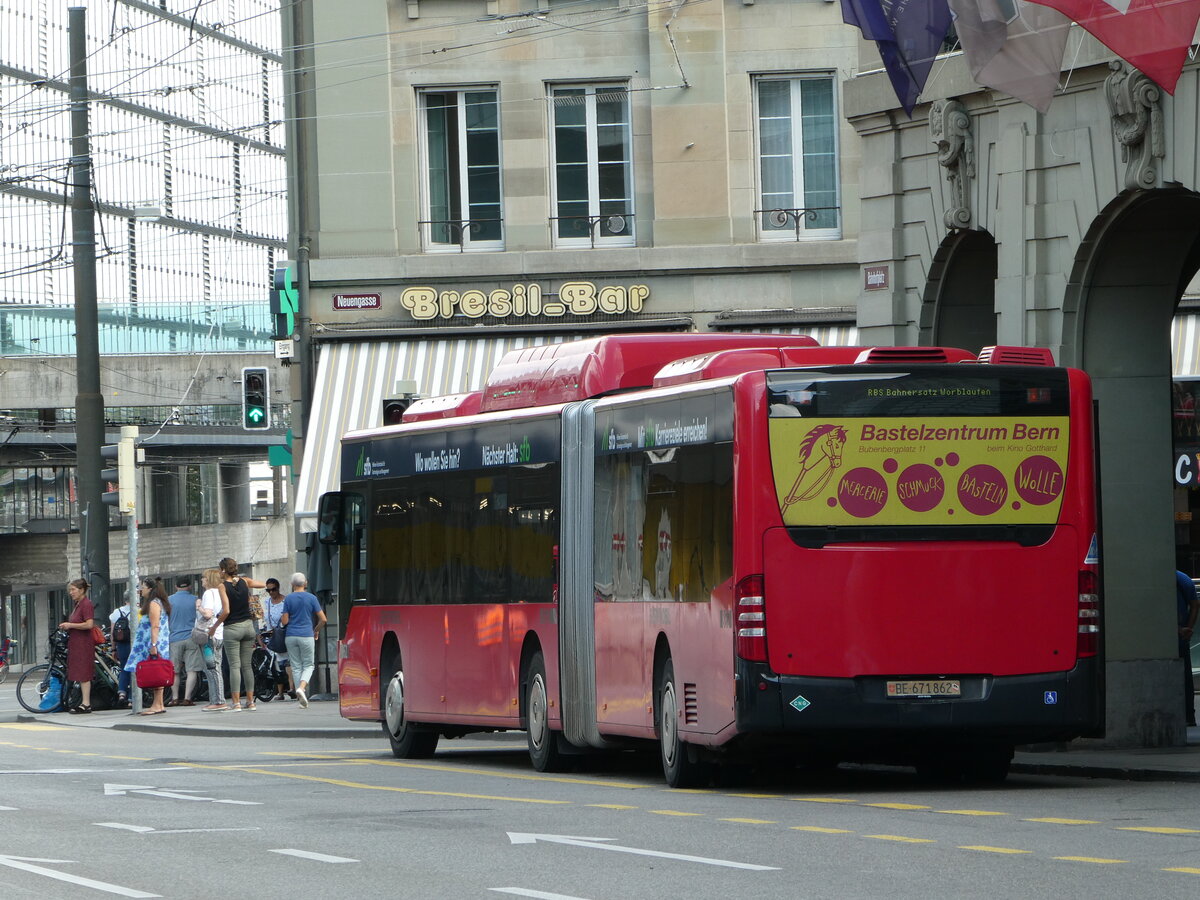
{"x":8,"y":809}
{"x":25,"y":864}
{"x":145,"y":829}
{"x":83,"y":771}
{"x":117,"y":790}
{"x":537,"y":895}
{"x":594,"y":844}
{"x":318,"y":857}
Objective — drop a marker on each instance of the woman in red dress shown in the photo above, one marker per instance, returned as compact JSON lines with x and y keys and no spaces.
{"x":81,"y":649}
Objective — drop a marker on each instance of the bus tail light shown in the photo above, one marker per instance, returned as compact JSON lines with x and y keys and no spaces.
{"x":1088,"y":641}
{"x":751,"y":615}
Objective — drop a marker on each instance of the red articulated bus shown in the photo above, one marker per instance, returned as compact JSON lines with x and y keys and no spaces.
{"x":741,"y":547}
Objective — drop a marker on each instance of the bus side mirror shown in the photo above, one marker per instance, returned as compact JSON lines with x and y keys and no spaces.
{"x":337,"y":514}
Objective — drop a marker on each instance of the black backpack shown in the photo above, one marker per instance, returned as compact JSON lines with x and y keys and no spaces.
{"x":120,"y":629}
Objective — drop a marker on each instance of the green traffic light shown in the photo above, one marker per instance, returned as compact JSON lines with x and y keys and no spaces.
{"x":255,"y":415}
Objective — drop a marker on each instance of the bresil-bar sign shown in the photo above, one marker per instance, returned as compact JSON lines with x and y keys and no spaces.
{"x":576,"y":298}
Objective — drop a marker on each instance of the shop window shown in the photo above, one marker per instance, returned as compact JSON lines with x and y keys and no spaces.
{"x":592,"y":150}
{"x":462,"y":207}
{"x":797,"y":123}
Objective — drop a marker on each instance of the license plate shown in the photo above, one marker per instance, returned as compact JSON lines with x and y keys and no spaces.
{"x":939,"y":688}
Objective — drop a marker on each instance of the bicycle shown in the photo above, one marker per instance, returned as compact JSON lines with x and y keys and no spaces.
{"x":5,"y":649}
{"x":45,"y":688}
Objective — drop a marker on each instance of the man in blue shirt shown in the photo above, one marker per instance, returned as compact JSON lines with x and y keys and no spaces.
{"x":1188,"y":606}
{"x":186,"y":656}
{"x":301,"y":612}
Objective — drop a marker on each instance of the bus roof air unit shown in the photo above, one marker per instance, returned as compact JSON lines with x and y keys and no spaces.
{"x":1016,"y":356}
{"x":562,"y":373}
{"x":913,"y":355}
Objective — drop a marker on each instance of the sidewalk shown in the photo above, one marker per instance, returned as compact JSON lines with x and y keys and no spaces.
{"x":279,"y":718}
{"x":287,"y":719}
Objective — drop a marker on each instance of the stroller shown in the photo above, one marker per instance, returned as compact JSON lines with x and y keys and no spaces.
{"x":267,"y":670}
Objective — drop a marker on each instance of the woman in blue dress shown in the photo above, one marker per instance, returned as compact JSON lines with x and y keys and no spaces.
{"x":153,"y":635}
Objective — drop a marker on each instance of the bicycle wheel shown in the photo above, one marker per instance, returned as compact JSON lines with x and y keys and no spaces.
{"x":40,"y":689}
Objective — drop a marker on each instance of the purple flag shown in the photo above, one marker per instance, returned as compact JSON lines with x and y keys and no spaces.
{"x":909,"y":34}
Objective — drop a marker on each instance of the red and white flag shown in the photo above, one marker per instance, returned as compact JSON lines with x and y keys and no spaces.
{"x":1152,"y":35}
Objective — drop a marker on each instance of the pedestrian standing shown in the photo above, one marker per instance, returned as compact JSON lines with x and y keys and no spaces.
{"x":81,"y":649}
{"x":239,"y":632}
{"x":120,"y":632}
{"x":152,"y":637}
{"x":1188,"y":606}
{"x":209,"y":610}
{"x":186,"y":656}
{"x":301,"y":612}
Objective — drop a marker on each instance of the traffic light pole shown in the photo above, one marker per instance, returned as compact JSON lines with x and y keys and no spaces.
{"x":89,"y":402}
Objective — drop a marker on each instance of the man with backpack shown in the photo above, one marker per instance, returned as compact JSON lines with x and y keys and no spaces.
{"x":121,"y":634}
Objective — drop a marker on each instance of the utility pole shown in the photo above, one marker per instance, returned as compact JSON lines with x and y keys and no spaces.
{"x":89,"y":402}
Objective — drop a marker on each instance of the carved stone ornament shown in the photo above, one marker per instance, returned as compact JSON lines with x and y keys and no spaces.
{"x":1137,"y":120}
{"x":950,"y":129}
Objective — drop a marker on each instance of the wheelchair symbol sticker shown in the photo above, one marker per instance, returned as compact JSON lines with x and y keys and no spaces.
{"x":1050,"y":697}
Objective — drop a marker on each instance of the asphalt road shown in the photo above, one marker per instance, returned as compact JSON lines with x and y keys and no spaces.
{"x":98,"y":812}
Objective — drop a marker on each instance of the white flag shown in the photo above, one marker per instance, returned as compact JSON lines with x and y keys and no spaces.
{"x":1013,"y":46}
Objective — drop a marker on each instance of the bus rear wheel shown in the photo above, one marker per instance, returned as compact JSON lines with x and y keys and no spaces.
{"x":543,"y":743}
{"x":408,"y":741}
{"x":680,"y":768}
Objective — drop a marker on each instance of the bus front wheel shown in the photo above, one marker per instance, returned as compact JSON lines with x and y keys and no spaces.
{"x":680,"y":767}
{"x":408,"y":741}
{"x":543,"y":743}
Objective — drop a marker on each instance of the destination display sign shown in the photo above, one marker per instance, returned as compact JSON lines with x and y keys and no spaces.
{"x":694,"y":419}
{"x":491,"y":446}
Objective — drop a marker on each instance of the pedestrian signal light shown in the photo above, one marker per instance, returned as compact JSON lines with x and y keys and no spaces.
{"x":256,"y":393}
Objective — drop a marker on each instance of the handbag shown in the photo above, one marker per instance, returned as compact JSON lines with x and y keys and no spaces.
{"x":98,"y":637}
{"x":155,"y":672}
{"x":199,"y":635}
{"x":279,"y":639}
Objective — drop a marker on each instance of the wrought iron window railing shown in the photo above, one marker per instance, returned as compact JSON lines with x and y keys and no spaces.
{"x":773,"y":221}
{"x":612,"y":225}
{"x":461,"y":232}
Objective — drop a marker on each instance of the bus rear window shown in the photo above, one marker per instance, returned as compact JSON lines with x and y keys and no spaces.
{"x":936,"y":447}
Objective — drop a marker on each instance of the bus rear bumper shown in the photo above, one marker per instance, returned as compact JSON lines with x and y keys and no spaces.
{"x":1018,"y":709}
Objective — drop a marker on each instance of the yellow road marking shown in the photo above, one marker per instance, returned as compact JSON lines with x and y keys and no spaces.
{"x":970,"y":812}
{"x":687,"y":790}
{"x":395,"y":790}
{"x":824,"y":800}
{"x":1154,"y":830}
{"x":901,"y":838}
{"x":897,"y":805}
{"x":1090,"y":859}
{"x":609,"y":806}
{"x":1065,"y":821}
{"x":757,"y":796}
{"x":1185,"y":870}
{"x":983,"y":849}
{"x":518,"y":775}
{"x":32,"y":726}
{"x":819,"y":830}
{"x":751,"y":821}
{"x":672,"y":812}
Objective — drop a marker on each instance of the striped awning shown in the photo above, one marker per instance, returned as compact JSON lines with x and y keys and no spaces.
{"x":354,"y":378}
{"x":1185,"y":345}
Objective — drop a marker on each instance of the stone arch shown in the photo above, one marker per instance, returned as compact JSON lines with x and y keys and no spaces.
{"x":958,"y":308}
{"x":1127,"y":278}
